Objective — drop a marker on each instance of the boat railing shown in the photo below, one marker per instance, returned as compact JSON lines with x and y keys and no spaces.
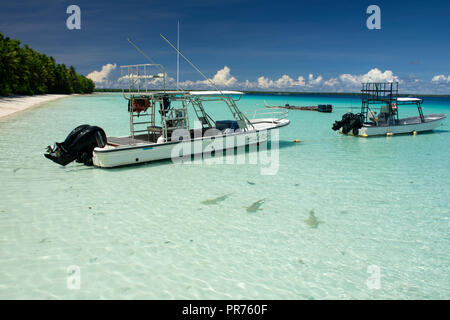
{"x":274,"y":114}
{"x":137,"y":79}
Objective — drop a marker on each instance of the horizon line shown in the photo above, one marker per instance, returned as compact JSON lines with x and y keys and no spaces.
{"x":292,"y":92}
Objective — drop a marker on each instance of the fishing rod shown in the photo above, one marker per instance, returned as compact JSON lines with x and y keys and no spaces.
{"x":232,"y":107}
{"x":149,"y":59}
{"x":140,"y":51}
{"x":181,"y":54}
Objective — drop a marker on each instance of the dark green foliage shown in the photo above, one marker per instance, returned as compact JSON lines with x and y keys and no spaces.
{"x":25,"y":71}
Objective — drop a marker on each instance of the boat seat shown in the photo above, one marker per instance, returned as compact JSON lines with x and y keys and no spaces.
{"x":153,"y":132}
{"x":226,"y":124}
{"x":154,"y":129}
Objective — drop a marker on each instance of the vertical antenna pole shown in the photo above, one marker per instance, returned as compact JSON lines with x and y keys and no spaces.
{"x":198,"y":70}
{"x":178,"y":55}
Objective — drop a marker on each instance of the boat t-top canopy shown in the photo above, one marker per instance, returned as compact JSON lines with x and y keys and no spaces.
{"x":409,"y":100}
{"x":204,"y":93}
{"x":214,"y":93}
{"x":386,"y":94}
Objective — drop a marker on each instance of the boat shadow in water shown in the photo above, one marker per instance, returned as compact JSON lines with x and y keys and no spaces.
{"x":77,"y":167}
{"x":422,"y":133}
{"x":438,"y":131}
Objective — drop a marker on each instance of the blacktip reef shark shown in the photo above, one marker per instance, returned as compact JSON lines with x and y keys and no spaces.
{"x":216,"y":200}
{"x":255,"y":206}
{"x":312,"y":220}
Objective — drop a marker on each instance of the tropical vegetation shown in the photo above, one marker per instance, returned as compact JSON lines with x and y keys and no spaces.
{"x":26,"y":71}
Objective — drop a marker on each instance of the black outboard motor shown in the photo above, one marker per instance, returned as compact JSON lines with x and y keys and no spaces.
{"x":349,"y":122}
{"x":338,"y":124}
{"x":78,"y":145}
{"x":356,"y":123}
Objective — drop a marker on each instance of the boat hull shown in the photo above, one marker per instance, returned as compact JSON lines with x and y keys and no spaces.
{"x":110,"y":156}
{"x":407,"y":125}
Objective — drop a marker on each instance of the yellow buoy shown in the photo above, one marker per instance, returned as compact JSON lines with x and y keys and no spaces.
{"x":364,"y":135}
{"x":389,"y":134}
{"x":414,"y":133}
{"x":297,"y":140}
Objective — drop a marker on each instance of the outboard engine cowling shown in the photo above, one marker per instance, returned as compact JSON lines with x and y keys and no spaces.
{"x":78,"y":145}
{"x":349,"y":122}
{"x":338,"y":124}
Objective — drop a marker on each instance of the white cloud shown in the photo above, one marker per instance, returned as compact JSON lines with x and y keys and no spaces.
{"x":440,"y":79}
{"x":187,"y":84}
{"x":248,"y":85}
{"x":283,"y":82}
{"x":312,"y":81}
{"x":224,"y":78}
{"x":102,"y":76}
{"x":301,"y":81}
{"x":264,"y":82}
{"x":345,"y":82}
{"x":331,"y":82}
{"x":159,"y":81}
{"x":286,"y":81}
{"x":131,"y":80}
{"x":374,"y":75}
{"x":350,"y":79}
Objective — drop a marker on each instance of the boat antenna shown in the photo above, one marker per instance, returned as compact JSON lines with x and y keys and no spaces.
{"x":178,"y":55}
{"x":140,"y":51}
{"x":207,"y":79}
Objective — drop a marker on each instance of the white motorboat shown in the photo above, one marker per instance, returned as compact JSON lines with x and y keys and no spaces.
{"x":383,"y":97}
{"x":160,"y":127}
{"x":174,"y":137}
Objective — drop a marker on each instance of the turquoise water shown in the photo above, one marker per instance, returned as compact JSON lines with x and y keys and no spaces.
{"x":145,"y":231}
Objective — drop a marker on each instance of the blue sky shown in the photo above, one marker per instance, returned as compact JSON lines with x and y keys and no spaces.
{"x":315,"y":45}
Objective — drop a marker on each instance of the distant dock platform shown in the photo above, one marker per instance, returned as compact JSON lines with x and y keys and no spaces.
{"x":320,"y":108}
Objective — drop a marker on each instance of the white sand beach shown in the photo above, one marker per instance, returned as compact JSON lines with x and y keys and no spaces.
{"x":14,"y":104}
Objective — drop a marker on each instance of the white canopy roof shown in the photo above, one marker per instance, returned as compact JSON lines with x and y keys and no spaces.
{"x":213,"y":93}
{"x":408,"y":99}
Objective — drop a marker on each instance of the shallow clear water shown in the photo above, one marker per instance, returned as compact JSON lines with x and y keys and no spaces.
{"x":143,"y":231}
